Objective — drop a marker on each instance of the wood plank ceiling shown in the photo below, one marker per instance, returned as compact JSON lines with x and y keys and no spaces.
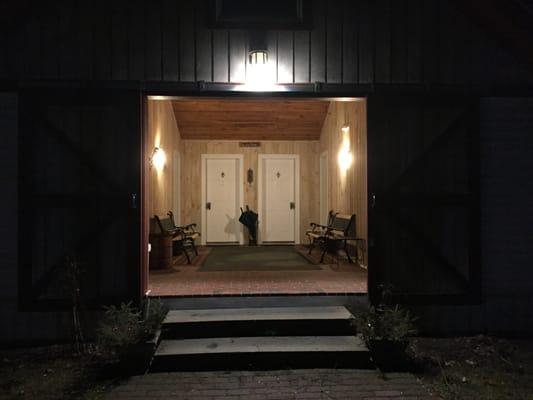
{"x":215,"y":119}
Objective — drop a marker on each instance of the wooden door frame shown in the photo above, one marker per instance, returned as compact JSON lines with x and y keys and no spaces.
{"x":176,"y":185}
{"x":323,"y":186}
{"x":240,"y":191}
{"x":260,"y":159}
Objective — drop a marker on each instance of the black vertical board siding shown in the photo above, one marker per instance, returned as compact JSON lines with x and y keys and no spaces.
{"x":383,"y":41}
{"x":32,"y":49}
{"x":462,"y":40}
{"x":285,"y":57}
{"x":318,"y":42}
{"x":301,"y":56}
{"x":366,"y":42}
{"x":430,"y":43}
{"x":220,"y":55}
{"x":204,"y":62}
{"x":4,"y":74}
{"x":3,"y":46}
{"x":85,"y":44}
{"x":334,"y":42}
{"x":187,"y":42}
{"x":414,"y":41}
{"x":350,"y":41}
{"x":119,"y":40}
{"x":152,"y":41}
{"x":70,"y":32}
{"x":399,"y":42}
{"x":169,"y":40}
{"x":102,"y":43}
{"x":50,"y":42}
{"x":68,"y":40}
{"x":237,"y":61}
{"x":271,"y":38}
{"x":136,"y":28}
{"x":446,"y":43}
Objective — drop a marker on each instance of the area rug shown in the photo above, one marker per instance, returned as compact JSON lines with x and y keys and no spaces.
{"x":256,"y":258}
{"x":316,"y":254}
{"x":181,"y":260}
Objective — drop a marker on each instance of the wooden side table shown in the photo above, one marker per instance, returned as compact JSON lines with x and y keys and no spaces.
{"x":161,"y":254}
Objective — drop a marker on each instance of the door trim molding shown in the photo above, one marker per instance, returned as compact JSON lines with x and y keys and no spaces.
{"x":176,"y":180}
{"x":240,"y":191}
{"x":260,"y":160}
{"x":323,"y":186}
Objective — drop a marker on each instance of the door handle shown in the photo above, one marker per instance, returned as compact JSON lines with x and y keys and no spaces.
{"x":372,"y":200}
{"x":134,"y":200}
{"x":292,"y":206}
{"x":208,"y":205}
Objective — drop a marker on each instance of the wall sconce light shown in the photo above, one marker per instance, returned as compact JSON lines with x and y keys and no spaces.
{"x":158,"y":159}
{"x":260,"y":74}
{"x":345,"y":156}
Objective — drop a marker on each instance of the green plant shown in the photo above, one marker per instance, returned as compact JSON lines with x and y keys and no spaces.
{"x":392,"y":324}
{"x":125,"y":325}
{"x":154,"y":314}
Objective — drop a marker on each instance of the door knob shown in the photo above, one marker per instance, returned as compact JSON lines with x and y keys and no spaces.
{"x":208,"y":205}
{"x":292,"y":205}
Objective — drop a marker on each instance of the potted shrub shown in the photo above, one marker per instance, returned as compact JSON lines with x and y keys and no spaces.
{"x":386,"y":332}
{"x":132,"y":335}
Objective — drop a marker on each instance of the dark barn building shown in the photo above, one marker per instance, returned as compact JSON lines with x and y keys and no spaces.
{"x":449,"y":97}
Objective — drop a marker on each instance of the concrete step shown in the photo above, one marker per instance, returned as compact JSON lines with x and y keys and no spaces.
{"x":267,"y":321}
{"x":229,"y":353}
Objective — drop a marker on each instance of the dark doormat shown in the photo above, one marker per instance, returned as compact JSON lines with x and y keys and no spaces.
{"x":256,"y":258}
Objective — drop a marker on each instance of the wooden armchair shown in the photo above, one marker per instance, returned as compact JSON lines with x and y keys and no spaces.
{"x":341,"y":230}
{"x":190,"y":232}
{"x":317,"y":231}
{"x":179,"y":239}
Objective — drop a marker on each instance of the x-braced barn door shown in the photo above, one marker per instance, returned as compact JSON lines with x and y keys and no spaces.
{"x":79,"y":184}
{"x":423,"y":176}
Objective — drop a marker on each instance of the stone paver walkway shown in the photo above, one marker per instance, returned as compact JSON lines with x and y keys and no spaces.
{"x":317,"y":384}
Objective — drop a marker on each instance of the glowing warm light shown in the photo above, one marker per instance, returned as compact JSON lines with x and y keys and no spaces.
{"x":345,"y":156}
{"x":260,"y":74}
{"x":158,"y":159}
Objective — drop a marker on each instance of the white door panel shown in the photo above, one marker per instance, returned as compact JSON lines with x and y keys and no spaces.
{"x":279,"y":200}
{"x":221,"y":193}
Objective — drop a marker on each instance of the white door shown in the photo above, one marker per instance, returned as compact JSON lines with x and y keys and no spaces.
{"x":279,"y":200}
{"x":222,"y":201}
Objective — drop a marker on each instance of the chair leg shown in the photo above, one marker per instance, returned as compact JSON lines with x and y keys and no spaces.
{"x":193,"y":247}
{"x":325,"y":243}
{"x":186,"y":255}
{"x":347,"y":252}
{"x":311,"y":246}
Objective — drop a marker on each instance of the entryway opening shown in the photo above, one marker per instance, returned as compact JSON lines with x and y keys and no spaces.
{"x":255,"y":196}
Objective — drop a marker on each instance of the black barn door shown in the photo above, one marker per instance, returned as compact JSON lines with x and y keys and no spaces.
{"x":423,"y":177}
{"x":79,"y":185}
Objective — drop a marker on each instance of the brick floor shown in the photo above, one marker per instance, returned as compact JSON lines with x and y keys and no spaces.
{"x":318,"y":384}
{"x":185,"y":280}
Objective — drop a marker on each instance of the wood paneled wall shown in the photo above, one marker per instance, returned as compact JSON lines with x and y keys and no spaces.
{"x":162,"y":132}
{"x":347,"y":191}
{"x":191,"y":174}
{"x":354,"y":42}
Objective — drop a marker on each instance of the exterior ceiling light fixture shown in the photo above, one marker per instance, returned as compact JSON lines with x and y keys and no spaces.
{"x":258,"y":57}
{"x":260,"y":74}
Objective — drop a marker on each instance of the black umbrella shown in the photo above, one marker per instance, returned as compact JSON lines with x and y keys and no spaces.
{"x":249,"y":219}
